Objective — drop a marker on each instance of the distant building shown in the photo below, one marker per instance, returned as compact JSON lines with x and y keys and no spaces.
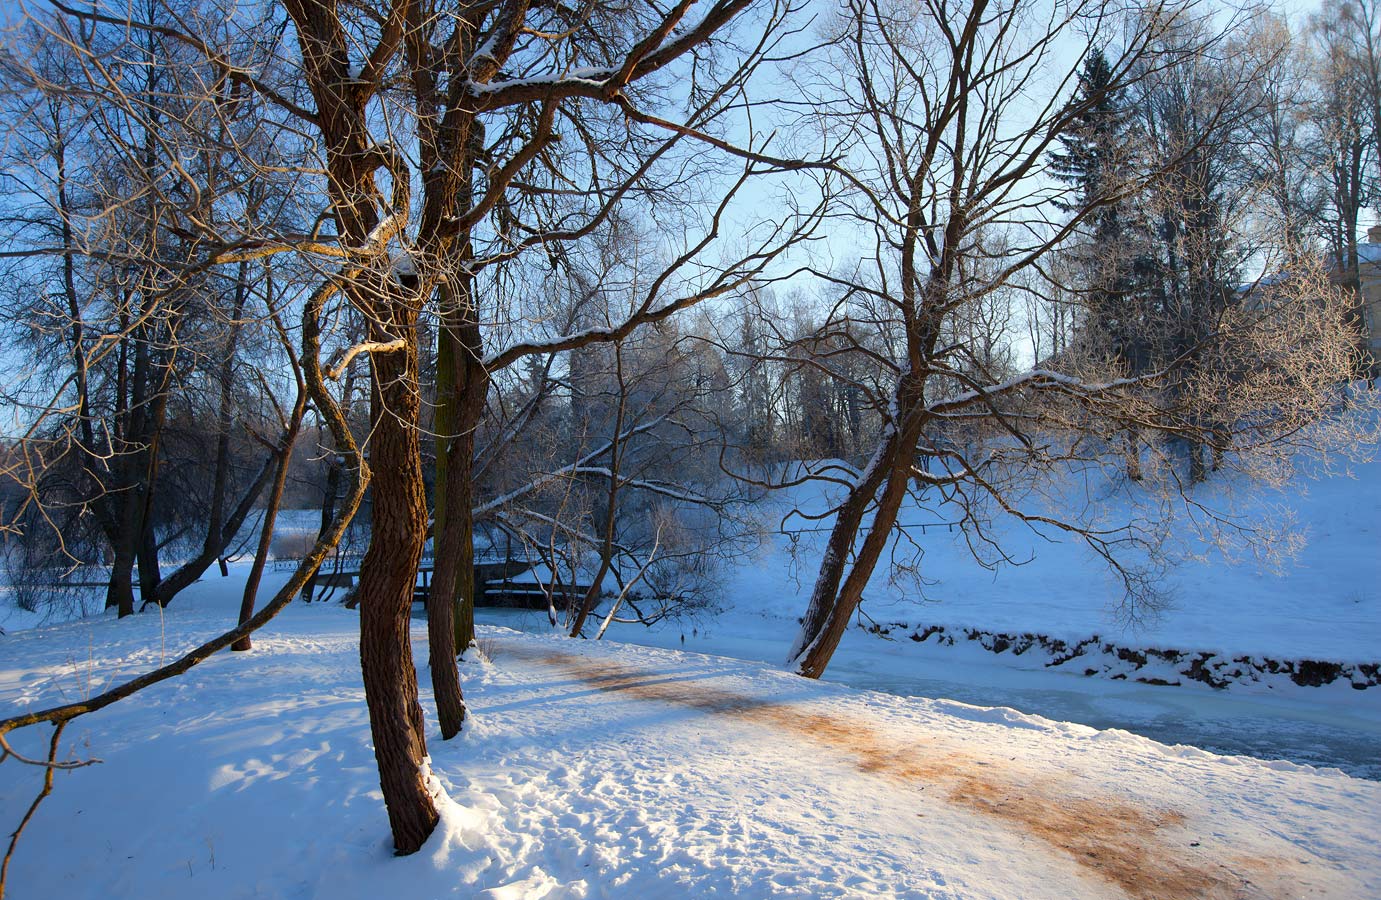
{"x":1369,"y":272}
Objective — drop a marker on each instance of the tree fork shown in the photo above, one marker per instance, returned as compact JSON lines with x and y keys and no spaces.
{"x":832,"y":604}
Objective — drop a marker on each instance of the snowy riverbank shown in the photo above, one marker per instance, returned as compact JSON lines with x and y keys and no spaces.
{"x":605,"y":770}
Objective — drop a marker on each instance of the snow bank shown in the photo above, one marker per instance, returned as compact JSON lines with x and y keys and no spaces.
{"x":1151,"y":665}
{"x":1322,"y":606}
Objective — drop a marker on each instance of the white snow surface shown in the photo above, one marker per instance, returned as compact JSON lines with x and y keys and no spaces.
{"x":1323,"y":603}
{"x":608,"y":770}
{"x":611,"y":770}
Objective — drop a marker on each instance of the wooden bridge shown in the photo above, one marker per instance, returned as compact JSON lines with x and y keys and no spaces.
{"x":494,"y":584}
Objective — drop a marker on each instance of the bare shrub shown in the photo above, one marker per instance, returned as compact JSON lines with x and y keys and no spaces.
{"x":487,"y":649}
{"x":41,"y":581}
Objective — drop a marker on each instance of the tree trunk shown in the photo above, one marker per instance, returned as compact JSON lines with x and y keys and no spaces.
{"x":150,"y":574}
{"x":449,"y":550}
{"x":120,"y":591}
{"x":387,"y":578}
{"x":591,"y":598}
{"x":152,"y":432}
{"x":1131,"y":452}
{"x":328,"y":510}
{"x":280,"y":480}
{"x":453,"y":555}
{"x":125,"y":541}
{"x":832,"y":604}
{"x":462,"y":388}
{"x":1198,"y":469}
{"x":334,"y":472}
{"x":611,"y":501}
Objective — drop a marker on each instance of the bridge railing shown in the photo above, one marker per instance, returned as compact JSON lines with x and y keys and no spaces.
{"x":351,"y":561}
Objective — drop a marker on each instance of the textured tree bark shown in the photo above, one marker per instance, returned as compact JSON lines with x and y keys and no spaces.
{"x":816,"y":655}
{"x":832,"y":603}
{"x":387,"y":578}
{"x":354,"y":152}
{"x":462,"y":387}
{"x":447,"y":548}
{"x":452,"y":556}
{"x":399,"y":514}
{"x":441,"y":635}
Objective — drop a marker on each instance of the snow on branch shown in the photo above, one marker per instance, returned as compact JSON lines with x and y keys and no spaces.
{"x":1037,"y":379}
{"x":654,"y":487}
{"x":567,"y":470}
{"x":335,"y":370}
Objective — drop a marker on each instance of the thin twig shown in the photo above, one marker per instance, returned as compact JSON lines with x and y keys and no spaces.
{"x":51,"y":766}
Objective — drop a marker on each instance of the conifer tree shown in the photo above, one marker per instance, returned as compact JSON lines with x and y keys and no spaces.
{"x":1114,"y":270}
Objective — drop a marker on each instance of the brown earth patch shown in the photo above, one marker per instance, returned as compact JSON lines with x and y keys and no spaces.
{"x":1115,"y":840}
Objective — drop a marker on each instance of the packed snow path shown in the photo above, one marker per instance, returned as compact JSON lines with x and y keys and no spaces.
{"x":1327,"y":726}
{"x":596,"y":770}
{"x":1000,"y":800}
{"x":1116,"y":840}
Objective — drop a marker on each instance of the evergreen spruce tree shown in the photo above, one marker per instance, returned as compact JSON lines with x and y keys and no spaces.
{"x":1118,"y":274}
{"x":1115,"y":271}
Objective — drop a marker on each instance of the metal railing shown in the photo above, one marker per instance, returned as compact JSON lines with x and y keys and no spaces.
{"x":352,"y":561}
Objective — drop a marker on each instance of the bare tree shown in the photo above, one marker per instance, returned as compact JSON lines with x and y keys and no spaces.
{"x":139,"y":399}
{"x":551,"y":206}
{"x":658,"y":507}
{"x":1284,"y":156}
{"x":1346,"y":114}
{"x":430,"y":127}
{"x":944,"y":141}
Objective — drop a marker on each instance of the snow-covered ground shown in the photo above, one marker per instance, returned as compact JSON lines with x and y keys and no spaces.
{"x":1333,"y":725}
{"x":690,"y":765}
{"x":1324,"y":603}
{"x":1325,"y":606}
{"x":609,"y":770}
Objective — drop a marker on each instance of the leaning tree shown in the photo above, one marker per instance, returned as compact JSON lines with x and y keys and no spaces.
{"x":946,"y":141}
